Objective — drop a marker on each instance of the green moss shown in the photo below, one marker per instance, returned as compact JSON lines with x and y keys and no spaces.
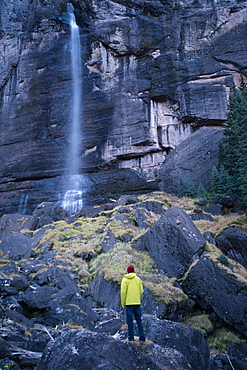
{"x":114,"y":263}
{"x":220,"y":339}
{"x":200,"y":322}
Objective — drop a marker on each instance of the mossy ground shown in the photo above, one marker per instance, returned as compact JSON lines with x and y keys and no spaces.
{"x":85,"y":235}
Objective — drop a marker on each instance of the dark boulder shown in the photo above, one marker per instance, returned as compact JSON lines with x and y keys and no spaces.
{"x":213,"y":288}
{"x":152,"y":206}
{"x":22,"y":357}
{"x":222,"y":361}
{"x":175,"y":309}
{"x":173,"y":242}
{"x":142,"y":217}
{"x":37,"y":238}
{"x":37,"y":298}
{"x":202,"y":216}
{"x":127,"y":199}
{"x":71,"y":309}
{"x":209,"y":237}
{"x":106,"y":293}
{"x":233,"y":243}
{"x":238,"y":351}
{"x":83,"y":349}
{"x":108,"y":242}
{"x":190,"y":342}
{"x":16,"y":246}
{"x":16,"y":222}
{"x":48,"y":212}
{"x":56,"y":277}
{"x":194,"y":159}
{"x":94,"y":211}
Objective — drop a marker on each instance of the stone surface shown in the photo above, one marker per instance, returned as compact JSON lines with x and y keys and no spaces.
{"x":214,"y":288}
{"x":173,"y":242}
{"x":82,"y":349}
{"x":192,"y":160}
{"x":233,"y":243}
{"x":16,"y":246}
{"x":152,"y":72}
{"x":188,"y":341}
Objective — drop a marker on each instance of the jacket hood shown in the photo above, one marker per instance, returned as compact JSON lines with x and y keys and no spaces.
{"x":131,"y":275}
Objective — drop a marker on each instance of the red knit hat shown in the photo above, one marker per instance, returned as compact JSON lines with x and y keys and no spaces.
{"x":130,"y":268}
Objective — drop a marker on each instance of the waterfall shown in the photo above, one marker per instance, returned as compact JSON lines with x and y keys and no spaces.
{"x":23,"y":204}
{"x":73,"y":199}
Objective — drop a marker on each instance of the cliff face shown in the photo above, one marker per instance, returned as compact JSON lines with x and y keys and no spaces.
{"x":152,"y":72}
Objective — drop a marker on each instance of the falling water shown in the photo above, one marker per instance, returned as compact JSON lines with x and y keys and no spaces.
{"x":73,"y":199}
{"x":23,"y":204}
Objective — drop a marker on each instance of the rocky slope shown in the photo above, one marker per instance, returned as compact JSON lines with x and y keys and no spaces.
{"x":60,"y":283}
{"x":153,"y":72}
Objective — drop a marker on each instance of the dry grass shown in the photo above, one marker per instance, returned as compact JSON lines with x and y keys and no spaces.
{"x":220,"y":339}
{"x":234,"y":269}
{"x":221,"y":222}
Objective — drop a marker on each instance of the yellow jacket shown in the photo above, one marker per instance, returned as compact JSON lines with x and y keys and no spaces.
{"x":131,"y":290}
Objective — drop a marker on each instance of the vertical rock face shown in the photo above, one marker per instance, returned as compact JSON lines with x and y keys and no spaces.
{"x":152,"y":71}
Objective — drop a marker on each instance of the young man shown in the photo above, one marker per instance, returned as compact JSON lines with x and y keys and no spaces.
{"x":131,"y":293}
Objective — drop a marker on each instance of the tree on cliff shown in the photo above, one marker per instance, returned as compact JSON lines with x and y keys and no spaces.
{"x":233,"y":152}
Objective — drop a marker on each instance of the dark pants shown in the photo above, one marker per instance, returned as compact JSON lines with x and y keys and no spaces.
{"x":136,"y":311}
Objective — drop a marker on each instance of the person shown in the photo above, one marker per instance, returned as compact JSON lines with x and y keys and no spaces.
{"x":131,"y":293}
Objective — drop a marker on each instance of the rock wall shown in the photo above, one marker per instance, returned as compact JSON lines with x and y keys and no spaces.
{"x":152,"y":71}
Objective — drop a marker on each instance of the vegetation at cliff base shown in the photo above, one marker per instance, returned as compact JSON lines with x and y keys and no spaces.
{"x":232,"y":172}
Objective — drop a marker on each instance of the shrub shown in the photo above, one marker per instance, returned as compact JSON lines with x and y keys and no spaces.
{"x":223,"y":260}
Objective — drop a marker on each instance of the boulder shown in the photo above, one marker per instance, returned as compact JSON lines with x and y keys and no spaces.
{"x":127,"y":199}
{"x":16,"y":246}
{"x":209,"y":237}
{"x":108,"y":242}
{"x":142,"y":217}
{"x":193,"y":159}
{"x":48,"y":212}
{"x":106,"y":293}
{"x":215,"y":288}
{"x":173,"y":242}
{"x":16,"y":222}
{"x":83,"y":349}
{"x":152,"y":206}
{"x":37,"y":298}
{"x":176,"y":309}
{"x":221,"y":361}
{"x":202,"y":216}
{"x":68,"y":308}
{"x":233,"y":243}
{"x":190,"y":342}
